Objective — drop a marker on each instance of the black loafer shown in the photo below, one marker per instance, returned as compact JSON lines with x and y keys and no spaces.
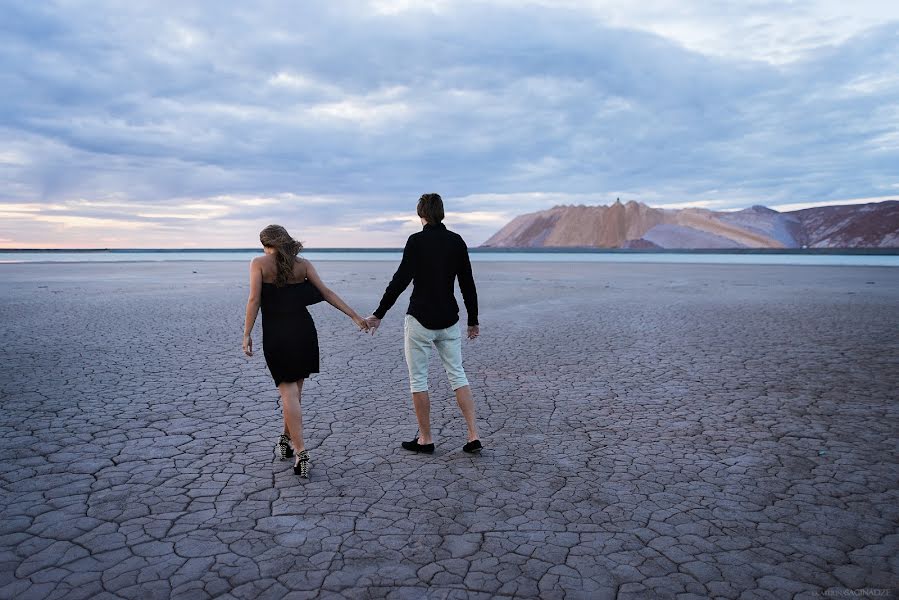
{"x":472,"y":447}
{"x":414,"y":446}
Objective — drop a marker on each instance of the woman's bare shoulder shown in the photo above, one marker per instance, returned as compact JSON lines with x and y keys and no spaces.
{"x":265,"y":264}
{"x":301,"y":268}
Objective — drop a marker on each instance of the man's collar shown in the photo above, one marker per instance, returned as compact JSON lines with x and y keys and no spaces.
{"x":434,"y":226}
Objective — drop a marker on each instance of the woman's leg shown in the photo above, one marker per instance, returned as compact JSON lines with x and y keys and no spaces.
{"x":286,"y":430}
{"x":293,"y":413}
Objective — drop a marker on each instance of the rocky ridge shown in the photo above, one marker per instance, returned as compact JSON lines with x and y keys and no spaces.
{"x":636,"y":225}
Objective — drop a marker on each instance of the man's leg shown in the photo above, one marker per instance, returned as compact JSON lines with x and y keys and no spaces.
{"x":466,"y":404}
{"x":449,"y":347}
{"x":417,"y":346}
{"x":422,"y":403}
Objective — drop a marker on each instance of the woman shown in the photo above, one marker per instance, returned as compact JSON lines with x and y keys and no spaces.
{"x":282,"y":284}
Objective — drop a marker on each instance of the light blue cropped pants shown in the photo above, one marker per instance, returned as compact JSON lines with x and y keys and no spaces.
{"x":418,"y":340}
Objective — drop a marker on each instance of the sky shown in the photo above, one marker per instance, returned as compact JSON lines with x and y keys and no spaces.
{"x":195,"y":124}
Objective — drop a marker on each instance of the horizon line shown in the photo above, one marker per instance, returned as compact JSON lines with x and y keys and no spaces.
{"x":496,"y":250}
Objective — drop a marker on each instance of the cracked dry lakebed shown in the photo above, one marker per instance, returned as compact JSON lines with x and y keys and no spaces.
{"x":650,"y":431}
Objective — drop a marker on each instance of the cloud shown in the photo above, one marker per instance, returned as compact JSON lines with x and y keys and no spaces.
{"x":390,"y":224}
{"x":759,"y":30}
{"x":185,"y":117}
{"x":801,"y":205}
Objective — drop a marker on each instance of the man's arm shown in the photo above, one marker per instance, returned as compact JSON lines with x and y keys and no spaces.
{"x":401,"y":280}
{"x":466,"y":285}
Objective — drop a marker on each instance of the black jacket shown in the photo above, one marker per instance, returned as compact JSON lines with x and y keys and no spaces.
{"x":432,"y":259}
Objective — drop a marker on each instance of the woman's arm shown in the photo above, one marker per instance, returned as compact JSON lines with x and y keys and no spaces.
{"x":332,"y":298}
{"x":253,"y":303}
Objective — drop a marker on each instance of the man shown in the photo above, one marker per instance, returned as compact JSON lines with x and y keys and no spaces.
{"x":432,"y":259}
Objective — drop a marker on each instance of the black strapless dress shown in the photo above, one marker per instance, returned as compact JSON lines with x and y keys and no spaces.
{"x":289,"y":338}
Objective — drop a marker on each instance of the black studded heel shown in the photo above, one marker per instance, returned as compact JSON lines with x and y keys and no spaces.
{"x":303,"y":464}
{"x":284,"y":447}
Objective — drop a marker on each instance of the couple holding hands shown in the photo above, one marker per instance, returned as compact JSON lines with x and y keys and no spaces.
{"x":282,"y":285}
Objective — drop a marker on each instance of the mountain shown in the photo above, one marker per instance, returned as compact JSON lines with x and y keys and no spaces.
{"x":873,"y":225}
{"x":636,"y":225}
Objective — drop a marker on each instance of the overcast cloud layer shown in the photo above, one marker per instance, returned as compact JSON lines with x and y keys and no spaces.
{"x":177,"y":124}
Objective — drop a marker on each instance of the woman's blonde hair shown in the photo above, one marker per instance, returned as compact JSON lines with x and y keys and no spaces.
{"x":286,"y":250}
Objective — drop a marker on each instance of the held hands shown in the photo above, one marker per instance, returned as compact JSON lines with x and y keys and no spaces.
{"x":361,"y":323}
{"x":373,"y":324}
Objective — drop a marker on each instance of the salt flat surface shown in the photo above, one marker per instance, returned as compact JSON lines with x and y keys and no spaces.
{"x":651,"y":431}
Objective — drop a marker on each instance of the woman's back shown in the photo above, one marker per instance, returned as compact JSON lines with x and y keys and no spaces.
{"x":289,"y":298}
{"x":269,"y":267}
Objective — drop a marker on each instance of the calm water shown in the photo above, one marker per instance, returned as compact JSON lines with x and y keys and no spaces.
{"x":744,"y":257}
